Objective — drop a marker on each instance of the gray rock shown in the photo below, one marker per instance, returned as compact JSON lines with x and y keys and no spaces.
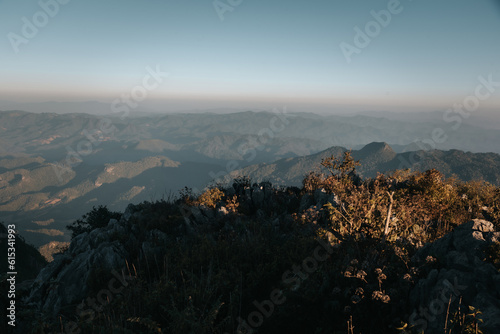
{"x":158,"y":237}
{"x":258,"y":197}
{"x":320,"y":197}
{"x":222,"y":212}
{"x":79,"y":244}
{"x":207,"y":212}
{"x":128,"y":212}
{"x":305,"y":202}
{"x":64,"y":281}
{"x":112,"y":223}
{"x":472,"y":236}
{"x":334,"y":199}
{"x":463,"y":274}
{"x":198,"y":216}
{"x":458,"y":260}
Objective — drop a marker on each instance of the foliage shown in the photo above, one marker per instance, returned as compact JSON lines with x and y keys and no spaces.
{"x":462,"y":322}
{"x":425,"y":206}
{"x":210,"y":197}
{"x":207,"y":278}
{"x":96,"y":218}
{"x":341,"y":167}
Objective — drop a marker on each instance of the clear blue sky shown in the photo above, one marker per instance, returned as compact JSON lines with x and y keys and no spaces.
{"x":429,"y":56}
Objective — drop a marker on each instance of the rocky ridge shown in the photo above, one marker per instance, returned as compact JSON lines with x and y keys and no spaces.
{"x":460,"y":271}
{"x":461,"y":275}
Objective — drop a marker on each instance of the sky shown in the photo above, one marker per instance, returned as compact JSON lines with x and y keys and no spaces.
{"x":425,"y":55}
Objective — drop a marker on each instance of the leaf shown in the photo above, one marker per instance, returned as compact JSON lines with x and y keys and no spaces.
{"x":402,"y":328}
{"x":416,"y":229}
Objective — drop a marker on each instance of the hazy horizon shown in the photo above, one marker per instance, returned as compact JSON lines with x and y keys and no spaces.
{"x":414,"y":56}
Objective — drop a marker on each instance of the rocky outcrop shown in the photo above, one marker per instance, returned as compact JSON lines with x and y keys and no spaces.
{"x":460,"y":272}
{"x":49,"y":250}
{"x":454,"y":266}
{"x":65,"y":281}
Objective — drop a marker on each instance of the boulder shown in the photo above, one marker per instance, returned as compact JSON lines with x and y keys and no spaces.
{"x":461,"y":274}
{"x":65,"y":281}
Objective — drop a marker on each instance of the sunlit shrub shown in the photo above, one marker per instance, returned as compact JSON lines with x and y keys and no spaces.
{"x":210,"y":197}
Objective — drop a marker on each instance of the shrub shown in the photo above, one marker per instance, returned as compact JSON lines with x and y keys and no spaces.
{"x":207,"y":277}
{"x":96,"y":218}
{"x":210,"y":198}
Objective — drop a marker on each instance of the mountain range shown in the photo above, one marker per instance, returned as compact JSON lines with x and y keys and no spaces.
{"x":55,"y":167}
{"x":379,"y":157}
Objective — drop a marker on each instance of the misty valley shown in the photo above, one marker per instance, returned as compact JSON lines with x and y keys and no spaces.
{"x":55,"y":168}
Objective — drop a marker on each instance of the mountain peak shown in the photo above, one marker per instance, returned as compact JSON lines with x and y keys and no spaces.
{"x":376,"y":148}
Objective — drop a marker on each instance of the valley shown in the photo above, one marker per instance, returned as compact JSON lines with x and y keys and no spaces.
{"x":54,"y":168}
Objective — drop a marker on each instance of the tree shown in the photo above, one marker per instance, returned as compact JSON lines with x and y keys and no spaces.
{"x":98,"y":217}
{"x":341,"y":167}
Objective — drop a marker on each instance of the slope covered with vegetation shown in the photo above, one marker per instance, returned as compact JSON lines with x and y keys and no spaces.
{"x":337,"y":255}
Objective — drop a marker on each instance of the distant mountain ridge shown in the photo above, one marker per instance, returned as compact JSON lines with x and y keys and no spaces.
{"x":156,"y":155}
{"x":187,"y":129}
{"x":379,"y":157}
